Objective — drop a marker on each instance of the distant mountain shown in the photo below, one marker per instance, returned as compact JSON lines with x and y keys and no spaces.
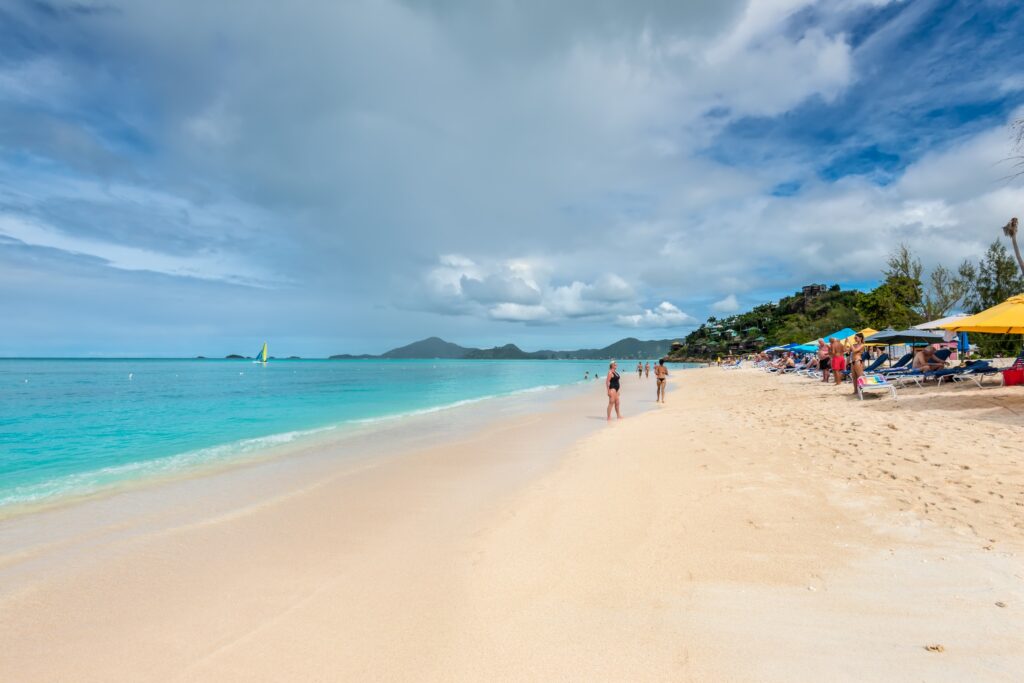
{"x":631,"y":347}
{"x":435,"y":347}
{"x":431,"y":347}
{"x":506,"y":352}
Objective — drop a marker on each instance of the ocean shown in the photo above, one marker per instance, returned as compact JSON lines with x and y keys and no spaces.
{"x":74,"y":427}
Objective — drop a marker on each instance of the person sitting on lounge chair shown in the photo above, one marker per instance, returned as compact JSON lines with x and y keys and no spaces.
{"x":925,"y":360}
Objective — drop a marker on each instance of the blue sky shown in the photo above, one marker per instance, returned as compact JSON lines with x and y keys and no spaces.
{"x":193,"y":178}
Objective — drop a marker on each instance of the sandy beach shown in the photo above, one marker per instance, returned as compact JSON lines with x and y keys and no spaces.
{"x":754,"y":528}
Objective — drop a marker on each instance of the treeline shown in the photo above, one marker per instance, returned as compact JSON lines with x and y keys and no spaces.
{"x":905,"y":297}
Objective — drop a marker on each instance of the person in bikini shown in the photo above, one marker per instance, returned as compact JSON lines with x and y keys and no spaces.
{"x":837,"y":354}
{"x":647,"y":370}
{"x":857,"y":360}
{"x":611,"y":383}
{"x":661,"y":379}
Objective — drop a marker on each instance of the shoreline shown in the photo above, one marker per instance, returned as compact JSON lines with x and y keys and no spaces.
{"x":220,"y":457}
{"x":727,"y":535}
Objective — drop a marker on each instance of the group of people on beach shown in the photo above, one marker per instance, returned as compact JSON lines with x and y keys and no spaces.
{"x":831,"y":359}
{"x":613,"y":386}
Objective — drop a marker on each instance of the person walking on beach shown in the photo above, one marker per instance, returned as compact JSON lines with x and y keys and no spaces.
{"x":639,"y":370}
{"x":611,"y":383}
{"x":647,"y":370}
{"x":857,"y":360}
{"x":661,"y":378}
{"x":837,"y":352}
{"x":824,"y":363}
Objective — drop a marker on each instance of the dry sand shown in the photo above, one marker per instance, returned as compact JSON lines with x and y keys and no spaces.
{"x":755,"y":528}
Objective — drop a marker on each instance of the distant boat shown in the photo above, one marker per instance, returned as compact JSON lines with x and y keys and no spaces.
{"x":261,"y":357}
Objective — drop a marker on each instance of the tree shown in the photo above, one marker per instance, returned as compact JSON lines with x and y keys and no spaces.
{"x":995,"y":279}
{"x":944,"y":291}
{"x":1010,"y":230}
{"x":969,"y":274}
{"x":998,"y":277}
{"x":895,"y":302}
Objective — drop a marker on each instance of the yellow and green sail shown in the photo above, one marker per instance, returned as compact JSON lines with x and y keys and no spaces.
{"x":262,"y":355}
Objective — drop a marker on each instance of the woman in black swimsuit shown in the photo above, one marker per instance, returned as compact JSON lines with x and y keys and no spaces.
{"x":611,"y":383}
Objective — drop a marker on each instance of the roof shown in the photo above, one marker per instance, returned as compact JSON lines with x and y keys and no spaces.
{"x":937,"y":324}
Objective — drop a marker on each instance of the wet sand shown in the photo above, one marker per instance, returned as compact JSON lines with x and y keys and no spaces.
{"x":755,"y":528}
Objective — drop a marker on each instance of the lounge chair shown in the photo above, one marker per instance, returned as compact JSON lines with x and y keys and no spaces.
{"x":975,"y":371}
{"x":900,"y":365}
{"x":733,"y":366}
{"x":874,"y":382}
{"x":919,"y":377}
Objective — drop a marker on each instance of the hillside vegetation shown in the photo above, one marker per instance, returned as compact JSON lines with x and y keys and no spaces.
{"x":903,"y":298}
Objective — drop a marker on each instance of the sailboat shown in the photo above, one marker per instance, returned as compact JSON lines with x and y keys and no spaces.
{"x":261,"y":357}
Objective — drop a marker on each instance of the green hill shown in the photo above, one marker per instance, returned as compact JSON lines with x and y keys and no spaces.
{"x":506,"y":352}
{"x":805,"y":315}
{"x":435,"y":347}
{"x":431,"y":347}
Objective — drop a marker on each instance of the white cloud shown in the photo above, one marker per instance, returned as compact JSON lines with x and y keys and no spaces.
{"x":664,"y":315}
{"x":208,"y":265}
{"x":569,"y":161}
{"x":522,"y":290}
{"x":727,"y":305}
{"x":519,"y":313}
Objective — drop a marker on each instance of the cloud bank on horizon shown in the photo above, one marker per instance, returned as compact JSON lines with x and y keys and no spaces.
{"x":181,"y":178}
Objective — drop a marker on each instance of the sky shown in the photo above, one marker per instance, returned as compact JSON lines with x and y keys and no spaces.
{"x":345,"y":177}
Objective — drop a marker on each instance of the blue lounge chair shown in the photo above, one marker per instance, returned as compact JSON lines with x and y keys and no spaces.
{"x":975,"y":372}
{"x":899,"y":365}
{"x":918,"y":377}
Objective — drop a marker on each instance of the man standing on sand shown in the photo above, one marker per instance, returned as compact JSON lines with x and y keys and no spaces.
{"x":837,"y":353}
{"x":661,"y":379}
{"x":647,"y":370}
{"x":639,"y":370}
{"x":824,"y":363}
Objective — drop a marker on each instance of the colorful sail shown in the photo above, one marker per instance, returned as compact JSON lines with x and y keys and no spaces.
{"x":262,"y":355}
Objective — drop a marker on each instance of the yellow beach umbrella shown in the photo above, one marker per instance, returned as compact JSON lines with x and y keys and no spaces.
{"x":1006,"y":318}
{"x":867,"y":332}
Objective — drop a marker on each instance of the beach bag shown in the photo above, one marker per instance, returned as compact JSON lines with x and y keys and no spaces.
{"x":1012,"y":377}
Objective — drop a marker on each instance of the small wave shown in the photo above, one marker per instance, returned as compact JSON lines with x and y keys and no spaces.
{"x":450,"y":406}
{"x":93,"y":481}
{"x":96,"y":481}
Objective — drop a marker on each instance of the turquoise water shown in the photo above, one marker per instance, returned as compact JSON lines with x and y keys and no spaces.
{"x":71,"y":427}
